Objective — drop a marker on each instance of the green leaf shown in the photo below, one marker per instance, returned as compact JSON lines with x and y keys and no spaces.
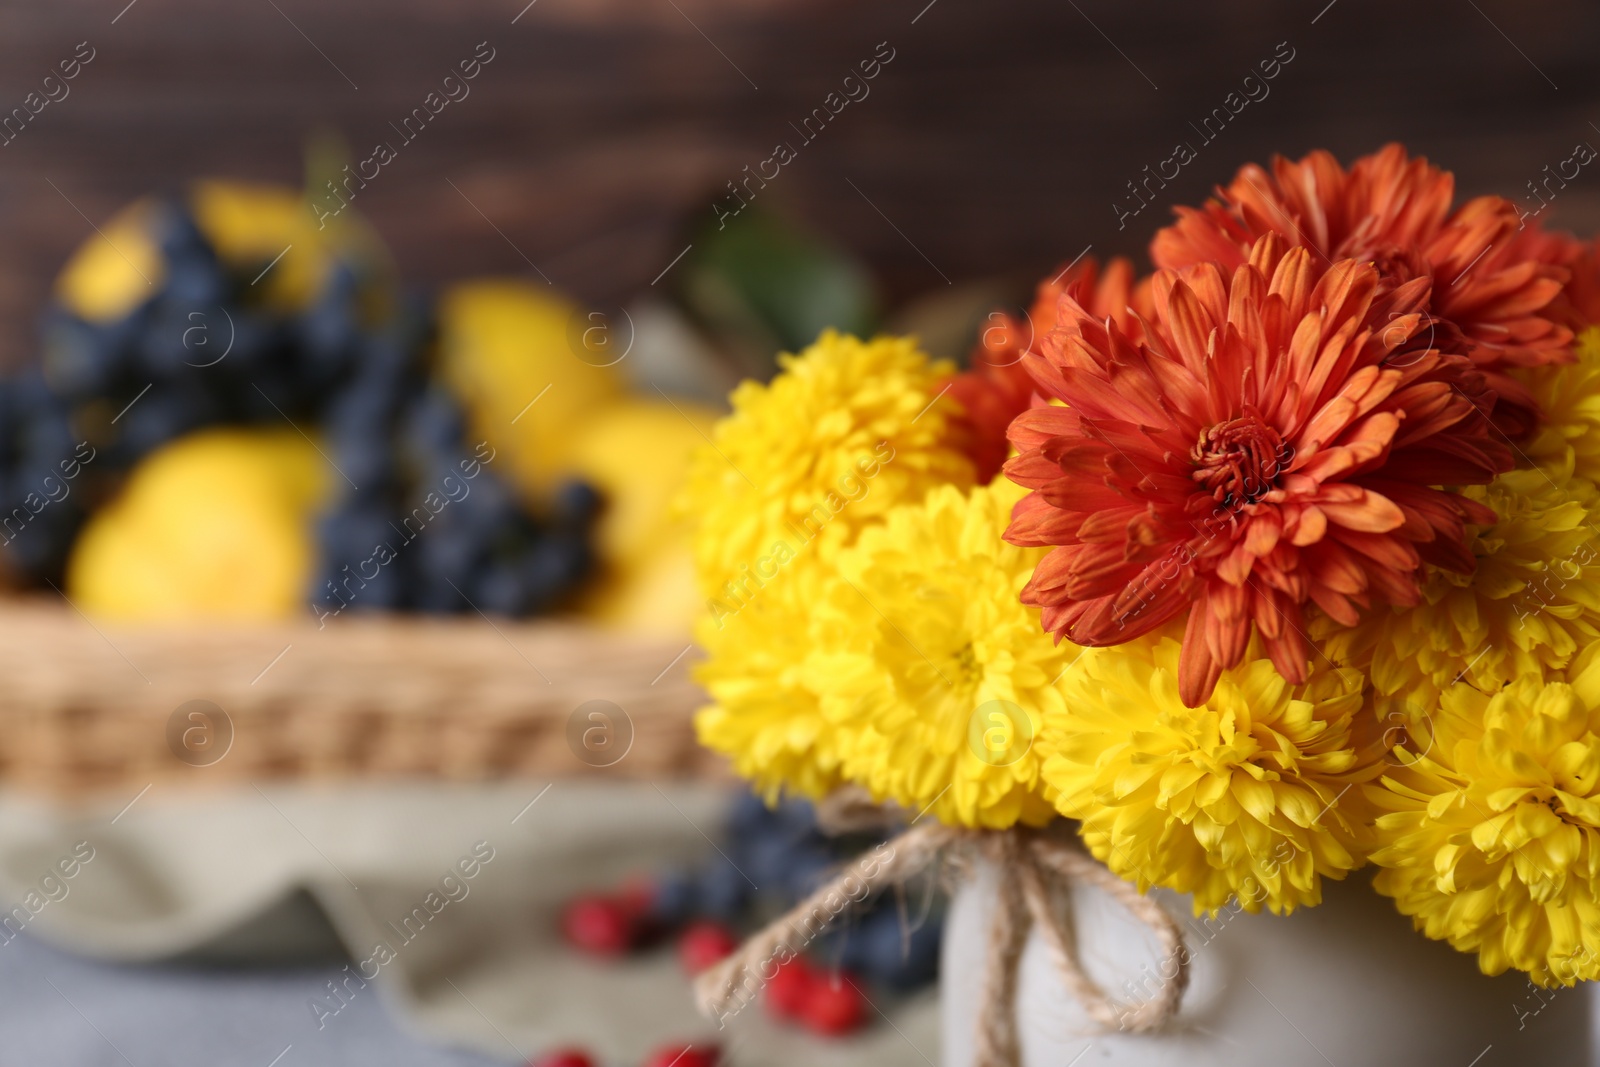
{"x":759,"y":286}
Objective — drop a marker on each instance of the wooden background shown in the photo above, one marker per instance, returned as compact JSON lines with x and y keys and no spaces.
{"x":993,"y":144}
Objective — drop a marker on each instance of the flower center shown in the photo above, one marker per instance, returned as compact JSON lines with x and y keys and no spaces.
{"x":967,"y":663}
{"x":1239,"y":460}
{"x":1554,"y":804}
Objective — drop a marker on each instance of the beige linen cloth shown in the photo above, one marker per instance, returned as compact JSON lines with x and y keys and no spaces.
{"x":445,"y":897}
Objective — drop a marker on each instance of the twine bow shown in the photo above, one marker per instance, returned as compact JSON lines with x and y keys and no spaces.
{"x":1037,"y":867}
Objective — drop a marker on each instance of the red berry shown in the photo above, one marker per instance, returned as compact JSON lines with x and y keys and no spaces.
{"x":636,"y":897}
{"x":564,"y":1057}
{"x":681,"y":1055}
{"x":790,"y":988}
{"x":703,"y":943}
{"x":834,"y":1007}
{"x":598,"y":925}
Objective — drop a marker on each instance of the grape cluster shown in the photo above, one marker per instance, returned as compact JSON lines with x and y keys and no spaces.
{"x":419,"y":519}
{"x":47,"y":478}
{"x":783,"y":851}
{"x":205,"y":349}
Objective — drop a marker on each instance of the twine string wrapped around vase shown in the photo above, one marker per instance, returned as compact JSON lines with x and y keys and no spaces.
{"x":1037,"y":869}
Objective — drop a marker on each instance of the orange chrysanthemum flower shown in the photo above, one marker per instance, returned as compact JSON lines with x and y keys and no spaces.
{"x":996,"y":388}
{"x":1493,"y":279}
{"x":1258,"y":442}
{"x":1578,"y":306}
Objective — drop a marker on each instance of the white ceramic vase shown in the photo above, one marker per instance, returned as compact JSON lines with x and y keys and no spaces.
{"x":1347,"y":983}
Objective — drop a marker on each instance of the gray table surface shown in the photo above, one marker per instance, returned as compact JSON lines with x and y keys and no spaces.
{"x":57,"y":1008}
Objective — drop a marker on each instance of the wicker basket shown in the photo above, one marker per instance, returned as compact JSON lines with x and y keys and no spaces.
{"x":88,"y":706}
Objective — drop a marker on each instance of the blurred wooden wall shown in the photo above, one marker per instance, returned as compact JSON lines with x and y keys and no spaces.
{"x":994,"y":143}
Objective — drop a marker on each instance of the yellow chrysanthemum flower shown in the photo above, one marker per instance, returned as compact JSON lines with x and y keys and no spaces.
{"x":1569,"y":401}
{"x":1250,"y":797}
{"x":935,"y":673}
{"x":764,"y":715}
{"x":1531,"y":604}
{"x":846,"y":431}
{"x":1492,"y":836}
{"x":911,"y":668}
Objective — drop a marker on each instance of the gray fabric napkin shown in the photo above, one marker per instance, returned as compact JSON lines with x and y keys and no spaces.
{"x":444,"y":897}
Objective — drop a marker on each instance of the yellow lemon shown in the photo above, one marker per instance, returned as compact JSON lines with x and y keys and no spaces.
{"x":657,"y":595}
{"x":511,"y":351}
{"x":215,"y":525}
{"x":116,"y":270}
{"x":637,"y":453}
{"x":257,"y":224}
{"x":251,"y":227}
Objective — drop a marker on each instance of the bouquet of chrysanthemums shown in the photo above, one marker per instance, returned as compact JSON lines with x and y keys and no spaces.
{"x":1271,"y":564}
